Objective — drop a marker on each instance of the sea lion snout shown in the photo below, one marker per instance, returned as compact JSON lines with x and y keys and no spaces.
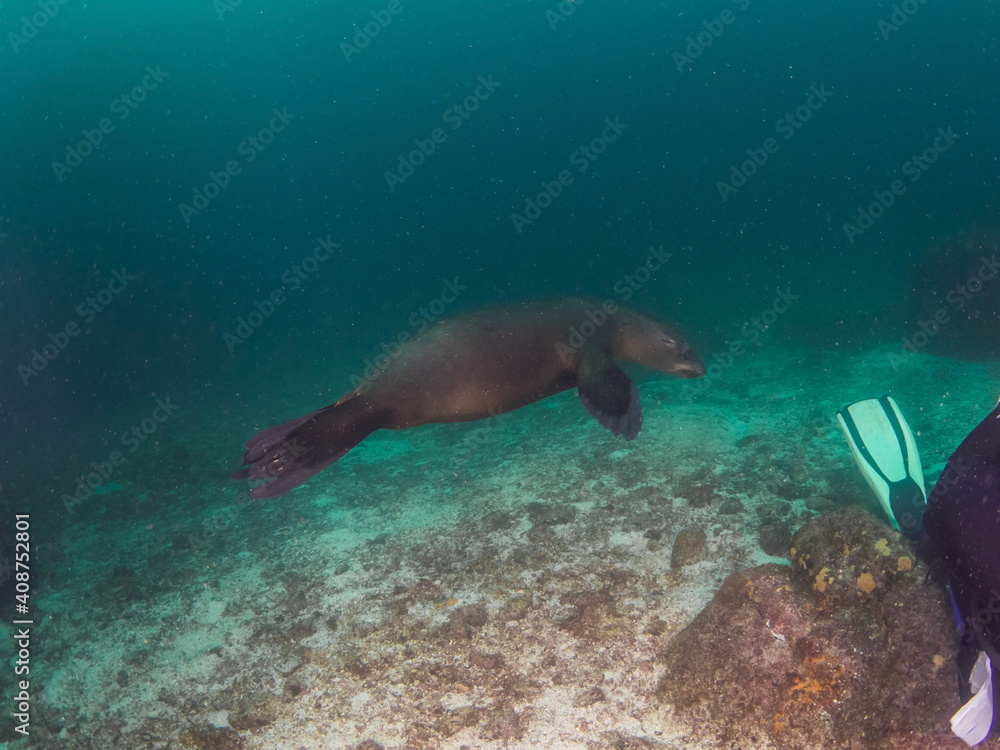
{"x":656,"y":344}
{"x":680,"y":361}
{"x":690,"y":365}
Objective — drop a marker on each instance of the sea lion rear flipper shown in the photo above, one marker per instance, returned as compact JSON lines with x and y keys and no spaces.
{"x":286,"y":455}
{"x":611,"y":398}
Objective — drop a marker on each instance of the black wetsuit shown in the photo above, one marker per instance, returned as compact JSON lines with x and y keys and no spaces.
{"x":962,"y":521}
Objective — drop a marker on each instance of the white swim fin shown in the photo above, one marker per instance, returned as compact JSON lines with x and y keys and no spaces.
{"x":887,"y":455}
{"x":973,"y":721}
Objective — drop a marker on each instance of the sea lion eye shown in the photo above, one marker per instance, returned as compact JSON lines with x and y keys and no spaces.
{"x":687,"y":355}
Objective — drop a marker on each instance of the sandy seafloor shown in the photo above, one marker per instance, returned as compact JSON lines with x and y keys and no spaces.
{"x":413,"y":588}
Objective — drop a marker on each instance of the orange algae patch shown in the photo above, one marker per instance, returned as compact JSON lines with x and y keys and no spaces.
{"x":866,"y":583}
{"x":816,"y":684}
{"x":822,"y":579}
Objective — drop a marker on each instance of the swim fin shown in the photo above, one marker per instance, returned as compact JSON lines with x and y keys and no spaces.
{"x":886,"y":453}
{"x":973,"y":721}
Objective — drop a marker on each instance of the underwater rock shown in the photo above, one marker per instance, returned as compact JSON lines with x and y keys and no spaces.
{"x":731,"y":506}
{"x":497,"y":522}
{"x":458,"y":719}
{"x":211,"y":739}
{"x":486,"y":661}
{"x":550,"y":514}
{"x":690,"y":547}
{"x":589,"y":697}
{"x":654,"y":539}
{"x":591,"y":615}
{"x":618,"y":741}
{"x":848,"y":649}
{"x":465,"y":621}
{"x":505,"y":724}
{"x":849,"y":555}
{"x":700,"y":495}
{"x":774,"y":539}
{"x":517,"y":606}
{"x":748,"y":440}
{"x":254,"y":710}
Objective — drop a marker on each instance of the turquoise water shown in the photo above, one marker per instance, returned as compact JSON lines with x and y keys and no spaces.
{"x":217,"y":216}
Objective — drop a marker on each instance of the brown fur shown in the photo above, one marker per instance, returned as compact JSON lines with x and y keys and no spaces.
{"x":478,"y":365}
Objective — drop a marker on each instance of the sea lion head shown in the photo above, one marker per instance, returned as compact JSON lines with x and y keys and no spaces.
{"x":655,"y":343}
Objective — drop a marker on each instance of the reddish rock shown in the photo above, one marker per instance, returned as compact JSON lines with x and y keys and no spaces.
{"x":848,"y":649}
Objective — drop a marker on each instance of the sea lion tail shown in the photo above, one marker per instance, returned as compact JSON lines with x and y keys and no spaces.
{"x":288,"y":454}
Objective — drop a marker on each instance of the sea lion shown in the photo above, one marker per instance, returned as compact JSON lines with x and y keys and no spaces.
{"x":475,"y":366}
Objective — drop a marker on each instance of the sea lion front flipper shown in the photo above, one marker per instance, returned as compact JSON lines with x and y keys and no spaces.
{"x":611,"y":398}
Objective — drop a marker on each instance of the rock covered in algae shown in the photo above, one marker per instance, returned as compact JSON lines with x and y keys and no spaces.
{"x":690,"y":548}
{"x":848,"y":648}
